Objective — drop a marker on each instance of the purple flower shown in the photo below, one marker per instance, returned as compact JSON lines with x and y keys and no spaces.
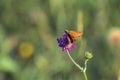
{"x":69,"y":47}
{"x":64,"y":43}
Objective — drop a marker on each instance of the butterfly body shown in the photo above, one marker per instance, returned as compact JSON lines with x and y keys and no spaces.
{"x":72,"y":35}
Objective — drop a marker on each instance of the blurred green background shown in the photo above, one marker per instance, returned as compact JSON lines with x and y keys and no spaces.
{"x":28,"y":32}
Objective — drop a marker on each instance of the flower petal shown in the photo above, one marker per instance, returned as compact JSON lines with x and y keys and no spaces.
{"x":64,"y":43}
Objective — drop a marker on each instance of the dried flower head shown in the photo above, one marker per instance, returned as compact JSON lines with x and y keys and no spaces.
{"x":114,"y":36}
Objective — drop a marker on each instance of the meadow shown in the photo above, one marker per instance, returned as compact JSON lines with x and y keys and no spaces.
{"x":28,"y":39}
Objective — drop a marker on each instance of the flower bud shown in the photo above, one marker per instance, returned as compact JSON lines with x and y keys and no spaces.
{"x":88,"y":55}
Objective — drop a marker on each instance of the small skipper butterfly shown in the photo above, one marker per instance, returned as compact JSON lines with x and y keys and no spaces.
{"x":72,"y":35}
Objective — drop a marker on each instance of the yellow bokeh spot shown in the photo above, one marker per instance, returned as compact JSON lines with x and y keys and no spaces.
{"x":26,"y":49}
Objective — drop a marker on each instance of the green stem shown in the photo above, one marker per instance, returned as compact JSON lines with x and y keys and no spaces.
{"x":85,"y":75}
{"x":74,"y":61}
{"x":84,"y":71}
{"x":86,"y":65}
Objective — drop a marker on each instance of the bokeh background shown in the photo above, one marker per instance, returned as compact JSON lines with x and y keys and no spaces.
{"x":28,"y":32}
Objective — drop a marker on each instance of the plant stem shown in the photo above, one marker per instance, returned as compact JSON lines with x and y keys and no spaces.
{"x":85,"y":75}
{"x":84,"y":71}
{"x":86,"y":65}
{"x":74,"y":61}
{"x":81,"y":69}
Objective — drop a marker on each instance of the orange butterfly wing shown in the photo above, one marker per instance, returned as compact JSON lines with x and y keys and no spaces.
{"x":73,"y":35}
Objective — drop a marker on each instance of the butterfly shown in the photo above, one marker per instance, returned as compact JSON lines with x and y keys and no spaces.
{"x":72,"y":35}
